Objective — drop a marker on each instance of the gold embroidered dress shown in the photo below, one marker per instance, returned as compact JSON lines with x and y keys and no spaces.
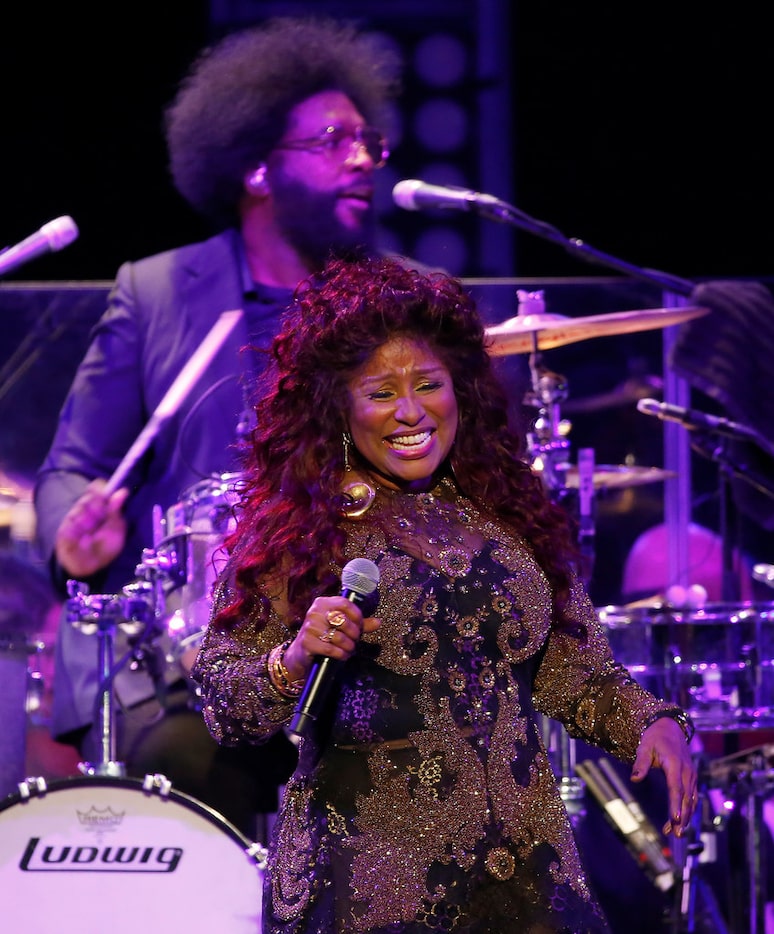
{"x":426,"y":802}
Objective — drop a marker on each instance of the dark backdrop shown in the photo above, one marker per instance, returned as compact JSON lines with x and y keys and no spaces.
{"x":642,"y":129}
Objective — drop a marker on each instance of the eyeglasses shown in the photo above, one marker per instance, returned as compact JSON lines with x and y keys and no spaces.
{"x":338,"y":142}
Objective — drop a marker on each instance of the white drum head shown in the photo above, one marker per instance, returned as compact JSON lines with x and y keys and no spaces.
{"x":103,"y":856}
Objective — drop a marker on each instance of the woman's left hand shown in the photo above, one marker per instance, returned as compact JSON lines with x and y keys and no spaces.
{"x":664,"y":746}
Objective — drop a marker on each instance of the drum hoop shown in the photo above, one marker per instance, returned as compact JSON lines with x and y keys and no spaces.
{"x":198,"y":491}
{"x":710,"y":613}
{"x":134,"y":784}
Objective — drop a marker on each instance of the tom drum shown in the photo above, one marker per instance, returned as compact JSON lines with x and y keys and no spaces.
{"x":717,"y":662}
{"x":195,"y":529}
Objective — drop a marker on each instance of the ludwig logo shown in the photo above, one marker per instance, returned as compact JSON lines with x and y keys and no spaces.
{"x":40,"y":856}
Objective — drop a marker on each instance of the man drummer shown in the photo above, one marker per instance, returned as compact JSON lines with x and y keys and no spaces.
{"x":274,"y":137}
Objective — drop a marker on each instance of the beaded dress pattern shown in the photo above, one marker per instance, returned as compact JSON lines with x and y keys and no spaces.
{"x":426,"y":801}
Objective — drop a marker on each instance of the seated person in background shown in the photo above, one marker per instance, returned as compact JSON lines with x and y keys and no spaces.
{"x":646,"y":574}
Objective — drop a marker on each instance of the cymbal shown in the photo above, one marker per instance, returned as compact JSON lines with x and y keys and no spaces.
{"x":619,"y":477}
{"x":627,"y":393}
{"x":531,"y":332}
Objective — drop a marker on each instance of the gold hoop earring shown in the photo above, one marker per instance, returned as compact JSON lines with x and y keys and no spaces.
{"x":357,"y":494}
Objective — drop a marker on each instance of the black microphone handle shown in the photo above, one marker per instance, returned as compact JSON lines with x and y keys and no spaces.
{"x":318,"y":684}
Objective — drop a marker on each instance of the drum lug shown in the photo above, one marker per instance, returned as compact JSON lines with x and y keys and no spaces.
{"x":32,"y":786}
{"x":157,"y":783}
{"x":259,"y":854}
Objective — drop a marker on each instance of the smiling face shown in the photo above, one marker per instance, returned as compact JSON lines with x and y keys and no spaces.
{"x":323,"y":197}
{"x":403,"y":415}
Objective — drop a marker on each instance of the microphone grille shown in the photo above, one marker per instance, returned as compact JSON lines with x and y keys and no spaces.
{"x":649,"y":406}
{"x":60,"y":232}
{"x":404,"y":193}
{"x":361,"y":576}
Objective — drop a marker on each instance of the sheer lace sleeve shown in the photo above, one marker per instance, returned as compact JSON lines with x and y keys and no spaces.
{"x":594,"y":696}
{"x":239,"y":700}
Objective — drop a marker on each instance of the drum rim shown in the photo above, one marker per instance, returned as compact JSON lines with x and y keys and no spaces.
{"x":134,"y":784}
{"x":214,"y":481}
{"x":621,"y":615}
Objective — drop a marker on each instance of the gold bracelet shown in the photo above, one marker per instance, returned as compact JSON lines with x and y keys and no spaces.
{"x":280,"y":676}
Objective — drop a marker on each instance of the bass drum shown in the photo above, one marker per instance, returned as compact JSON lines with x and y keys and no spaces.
{"x":716,"y":662}
{"x":106,"y":855}
{"x":194,"y":531}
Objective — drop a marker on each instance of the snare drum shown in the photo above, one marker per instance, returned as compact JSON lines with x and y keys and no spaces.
{"x":105,"y":855}
{"x":716,"y":662}
{"x":195,"y":529}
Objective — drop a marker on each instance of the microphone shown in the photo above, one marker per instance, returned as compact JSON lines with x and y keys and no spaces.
{"x":694,"y":420}
{"x":764,"y":573}
{"x":53,"y":236}
{"x":359,"y":579}
{"x":411,"y":194}
{"x":625,"y":816}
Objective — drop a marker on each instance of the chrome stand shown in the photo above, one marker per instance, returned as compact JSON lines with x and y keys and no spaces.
{"x":549,"y":449}
{"x":136,"y":612}
{"x":748,"y":777}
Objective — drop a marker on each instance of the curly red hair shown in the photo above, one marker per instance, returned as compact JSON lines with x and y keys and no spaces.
{"x":291,"y":526}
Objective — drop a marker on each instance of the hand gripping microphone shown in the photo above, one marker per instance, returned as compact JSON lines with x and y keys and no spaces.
{"x":359,"y":579}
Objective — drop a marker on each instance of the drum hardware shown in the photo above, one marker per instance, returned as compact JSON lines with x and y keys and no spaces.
{"x":135,"y":613}
{"x":572,"y":788}
{"x":627,"y":818}
{"x":14,"y":678}
{"x":748,"y":777}
{"x":716,"y":662}
{"x":549,"y":448}
{"x":191,"y":536}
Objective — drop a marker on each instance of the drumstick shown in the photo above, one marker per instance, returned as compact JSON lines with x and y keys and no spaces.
{"x":184,"y":382}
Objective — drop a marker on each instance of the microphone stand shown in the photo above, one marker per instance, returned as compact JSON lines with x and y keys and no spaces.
{"x":505,"y":213}
{"x":730,"y":466}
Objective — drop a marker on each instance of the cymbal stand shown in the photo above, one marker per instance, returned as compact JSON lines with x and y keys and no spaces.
{"x":136,"y":612}
{"x":549,"y":449}
{"x":548,"y":444}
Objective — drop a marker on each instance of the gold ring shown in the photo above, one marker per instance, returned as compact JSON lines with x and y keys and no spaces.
{"x":335,"y":618}
{"x":327,"y":636}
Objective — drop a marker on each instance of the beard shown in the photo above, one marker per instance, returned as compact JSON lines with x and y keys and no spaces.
{"x":307,"y":220}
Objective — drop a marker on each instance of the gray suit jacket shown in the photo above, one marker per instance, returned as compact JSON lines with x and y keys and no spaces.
{"x":160,"y":310}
